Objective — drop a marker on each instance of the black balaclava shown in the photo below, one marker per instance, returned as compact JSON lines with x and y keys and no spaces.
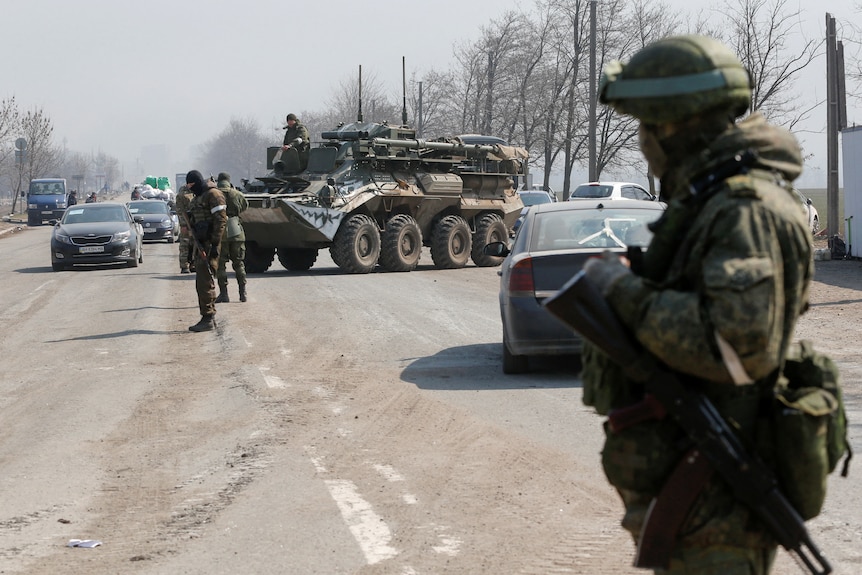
{"x":195,"y":182}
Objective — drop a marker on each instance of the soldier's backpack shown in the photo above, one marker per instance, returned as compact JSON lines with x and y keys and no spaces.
{"x":809,"y":427}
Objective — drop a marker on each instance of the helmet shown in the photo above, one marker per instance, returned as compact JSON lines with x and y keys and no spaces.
{"x":223,"y":176}
{"x":291,"y":117}
{"x":676,"y":78}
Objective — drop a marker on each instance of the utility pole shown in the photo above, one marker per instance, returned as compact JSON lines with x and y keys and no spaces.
{"x":593,"y":167}
{"x":836,"y":119}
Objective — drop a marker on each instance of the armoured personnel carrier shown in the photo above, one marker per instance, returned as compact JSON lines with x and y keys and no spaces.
{"x":374,"y":195}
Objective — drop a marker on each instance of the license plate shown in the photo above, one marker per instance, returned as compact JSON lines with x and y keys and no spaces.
{"x":150,"y":230}
{"x":48,"y":212}
{"x":92,"y":249}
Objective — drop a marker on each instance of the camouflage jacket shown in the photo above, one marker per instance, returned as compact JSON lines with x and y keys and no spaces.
{"x":183,"y":201}
{"x":735,"y":262}
{"x":236,"y":204}
{"x":297,"y":131}
{"x":741,"y":270}
{"x":209,"y":209}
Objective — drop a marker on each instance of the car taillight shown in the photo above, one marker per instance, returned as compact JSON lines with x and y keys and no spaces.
{"x":521,"y":277}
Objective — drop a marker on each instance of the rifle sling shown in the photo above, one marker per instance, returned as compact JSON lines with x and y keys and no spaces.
{"x":669,"y":508}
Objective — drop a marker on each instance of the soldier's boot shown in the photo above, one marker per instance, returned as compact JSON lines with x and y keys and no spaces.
{"x":242,"y":296}
{"x":222,"y":295}
{"x":207,"y":323}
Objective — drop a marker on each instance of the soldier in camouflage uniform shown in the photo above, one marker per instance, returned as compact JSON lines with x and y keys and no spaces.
{"x":717,"y":294}
{"x":183,"y":201}
{"x":233,"y":242}
{"x":295,"y":136}
{"x":208,"y":218}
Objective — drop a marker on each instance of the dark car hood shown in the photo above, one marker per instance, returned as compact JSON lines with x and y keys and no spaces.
{"x":92,"y":228}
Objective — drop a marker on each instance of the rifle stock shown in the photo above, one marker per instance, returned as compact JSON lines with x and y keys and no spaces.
{"x":580,"y":305}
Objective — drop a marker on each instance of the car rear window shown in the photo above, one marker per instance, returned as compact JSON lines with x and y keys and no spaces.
{"x":591,"y":229}
{"x":597,"y":191}
{"x":533,"y":198}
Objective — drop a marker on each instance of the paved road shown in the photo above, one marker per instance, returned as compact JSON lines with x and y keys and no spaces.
{"x":332,"y":424}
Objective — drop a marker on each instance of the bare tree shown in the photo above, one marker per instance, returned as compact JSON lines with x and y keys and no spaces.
{"x":760,"y":32}
{"x":78,"y":166}
{"x":43,"y":157}
{"x":437,"y":88}
{"x":239,"y":149}
{"x":9,"y":123}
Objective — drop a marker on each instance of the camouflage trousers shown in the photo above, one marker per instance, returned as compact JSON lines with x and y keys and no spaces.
{"x":235,"y":252}
{"x":185,"y":248}
{"x":720,"y":560}
{"x":205,"y":284}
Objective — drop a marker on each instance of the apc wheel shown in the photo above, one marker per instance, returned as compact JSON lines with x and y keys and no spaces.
{"x":489,"y":228}
{"x":297,"y":259}
{"x":513,"y":364}
{"x":356,"y":246}
{"x":401,"y":244}
{"x":257,"y":259}
{"x":450,"y":243}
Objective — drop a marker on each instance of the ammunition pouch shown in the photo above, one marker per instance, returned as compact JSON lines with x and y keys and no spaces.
{"x":201,"y":231}
{"x":605,"y":387}
{"x":808,"y":428}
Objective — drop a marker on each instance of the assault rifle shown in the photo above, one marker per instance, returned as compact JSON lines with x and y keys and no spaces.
{"x":198,"y":247}
{"x":580,"y":305}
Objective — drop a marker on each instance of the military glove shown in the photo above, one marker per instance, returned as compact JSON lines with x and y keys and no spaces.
{"x":605,"y":271}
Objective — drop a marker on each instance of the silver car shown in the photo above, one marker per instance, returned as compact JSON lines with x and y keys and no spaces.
{"x":552,"y":245}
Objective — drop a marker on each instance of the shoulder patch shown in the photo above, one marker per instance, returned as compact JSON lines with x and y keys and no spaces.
{"x":741,"y":186}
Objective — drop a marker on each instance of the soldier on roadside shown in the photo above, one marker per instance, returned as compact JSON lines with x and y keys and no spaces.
{"x":716,"y":296}
{"x":207,"y":220}
{"x":183,"y":201}
{"x":233,"y":242}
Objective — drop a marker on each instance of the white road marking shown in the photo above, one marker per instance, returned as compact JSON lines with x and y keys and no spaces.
{"x":272,"y":381}
{"x":368,"y":528}
{"x":409,"y":499}
{"x":388,"y":472}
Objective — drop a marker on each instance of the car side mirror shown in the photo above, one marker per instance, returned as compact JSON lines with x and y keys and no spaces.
{"x":139,"y":219}
{"x":808,"y":201}
{"x":496,"y":249}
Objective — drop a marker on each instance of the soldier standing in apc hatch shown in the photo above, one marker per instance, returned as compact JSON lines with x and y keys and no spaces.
{"x":716,"y":296}
{"x":296,"y":136}
{"x":208,"y":218}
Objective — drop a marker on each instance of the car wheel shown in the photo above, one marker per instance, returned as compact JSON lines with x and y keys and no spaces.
{"x":512,"y":363}
{"x":171,"y":239}
{"x":57,"y":267}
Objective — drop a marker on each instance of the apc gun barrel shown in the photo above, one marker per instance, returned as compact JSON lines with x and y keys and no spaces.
{"x":433,"y":145}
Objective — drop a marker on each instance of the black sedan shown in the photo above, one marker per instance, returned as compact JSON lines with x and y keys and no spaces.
{"x":157,"y":218}
{"x":100,"y":233}
{"x":552,"y":245}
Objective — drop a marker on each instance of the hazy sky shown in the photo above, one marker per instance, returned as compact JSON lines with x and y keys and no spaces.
{"x":116,"y":76}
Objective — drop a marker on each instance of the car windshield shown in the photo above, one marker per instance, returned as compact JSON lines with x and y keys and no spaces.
{"x":149,"y":208}
{"x":47,"y":189}
{"x":595,"y":191}
{"x":590,"y":229}
{"x":82,"y":215}
{"x":533,"y":198}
